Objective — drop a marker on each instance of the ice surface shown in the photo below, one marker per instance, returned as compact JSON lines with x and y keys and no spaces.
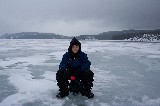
{"x":126,"y":73}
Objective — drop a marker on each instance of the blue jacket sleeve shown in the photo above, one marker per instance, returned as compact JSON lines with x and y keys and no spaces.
{"x":64,"y":63}
{"x":85,"y":65}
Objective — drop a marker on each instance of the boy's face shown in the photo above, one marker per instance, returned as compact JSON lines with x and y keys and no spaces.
{"x":75,"y":48}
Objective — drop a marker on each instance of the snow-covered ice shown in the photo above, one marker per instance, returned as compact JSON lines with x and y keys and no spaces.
{"x":126,"y":73}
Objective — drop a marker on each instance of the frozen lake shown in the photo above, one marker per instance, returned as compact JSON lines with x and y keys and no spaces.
{"x":126,"y":73}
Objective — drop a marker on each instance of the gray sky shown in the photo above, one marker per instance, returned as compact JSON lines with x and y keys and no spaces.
{"x":75,"y":17}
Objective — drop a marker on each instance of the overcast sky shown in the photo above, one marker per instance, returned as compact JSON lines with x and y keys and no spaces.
{"x":76,"y":17}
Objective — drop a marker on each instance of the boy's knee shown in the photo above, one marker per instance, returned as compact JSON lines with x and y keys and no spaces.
{"x":59,"y":74}
{"x":87,"y":75}
{"x":63,"y":74}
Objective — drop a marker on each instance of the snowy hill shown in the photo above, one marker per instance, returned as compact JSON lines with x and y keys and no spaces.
{"x":125,"y":73}
{"x":145,"y":37}
{"x":131,"y":35}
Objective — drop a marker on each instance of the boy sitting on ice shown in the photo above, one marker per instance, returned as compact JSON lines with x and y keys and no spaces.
{"x":74,"y":62}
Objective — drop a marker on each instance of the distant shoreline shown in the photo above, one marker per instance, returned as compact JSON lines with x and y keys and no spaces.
{"x":94,"y":40}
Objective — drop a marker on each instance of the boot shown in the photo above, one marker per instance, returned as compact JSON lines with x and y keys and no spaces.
{"x":87,"y":90}
{"x":63,"y":93}
{"x":88,"y":94}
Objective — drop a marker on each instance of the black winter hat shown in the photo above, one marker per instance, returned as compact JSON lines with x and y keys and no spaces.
{"x":75,"y":42}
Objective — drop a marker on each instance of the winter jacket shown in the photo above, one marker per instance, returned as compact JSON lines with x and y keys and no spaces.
{"x":80,"y":63}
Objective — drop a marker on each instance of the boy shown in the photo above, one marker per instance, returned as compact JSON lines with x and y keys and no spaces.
{"x":74,"y":62}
